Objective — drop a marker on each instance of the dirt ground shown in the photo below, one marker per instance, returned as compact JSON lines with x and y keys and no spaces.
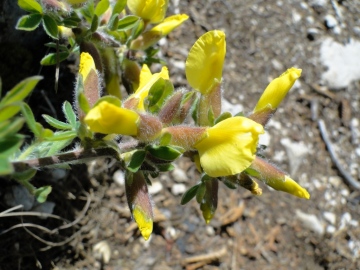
{"x":272,"y":231}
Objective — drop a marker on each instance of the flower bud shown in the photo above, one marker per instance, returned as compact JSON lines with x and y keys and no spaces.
{"x":149,"y":11}
{"x":276,"y":178}
{"x":209,"y":202}
{"x":247,"y":182}
{"x":210,"y":106}
{"x":185,"y":136}
{"x":139,"y":202}
{"x":149,"y":127}
{"x":171,"y":108}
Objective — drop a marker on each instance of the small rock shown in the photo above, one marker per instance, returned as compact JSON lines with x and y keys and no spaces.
{"x":20,"y":195}
{"x":296,"y":152}
{"x":46,"y":207}
{"x":344,"y":220}
{"x":102,"y":251}
{"x":330,"y":229}
{"x":312,"y":33}
{"x":264,"y":139}
{"x":178,"y":189}
{"x":311,"y":222}
{"x":335,"y":181}
{"x":57,"y":174}
{"x":210,"y":231}
{"x":155,"y":187}
{"x":330,"y":21}
{"x":330,"y":217}
{"x":179,"y":175}
{"x":119,"y":177}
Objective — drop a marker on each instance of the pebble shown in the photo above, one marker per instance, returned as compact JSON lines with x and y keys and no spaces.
{"x":344,"y":220}
{"x":20,"y":195}
{"x":330,"y":21}
{"x":296,"y":152}
{"x":311,"y":222}
{"x":155,"y":188}
{"x":102,"y":251}
{"x":330,"y":229}
{"x":119,"y":177}
{"x":178,"y":189}
{"x":179,"y":175}
{"x":335,"y":181}
{"x":330,"y":217}
{"x":46,"y":207}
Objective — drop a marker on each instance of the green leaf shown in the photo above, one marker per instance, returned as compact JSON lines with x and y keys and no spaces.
{"x":101,"y":7}
{"x":54,"y":58}
{"x":200,"y":193}
{"x":128,"y":22}
{"x":138,"y":29}
{"x":230,"y":184}
{"x":94,"y":23}
{"x":30,"y":6}
{"x":35,"y":127}
{"x":10,"y":145}
{"x":29,"y":22}
{"x":57,"y":146}
{"x":50,"y":26}
{"x":8,"y":111}
{"x":136,"y":160}
{"x":9,"y":128}
{"x":113,"y":23}
{"x":158,"y":93}
{"x":71,"y":22}
{"x":69,"y":114}
{"x":5,"y":166}
{"x":222,"y":117}
{"x":53,"y":45}
{"x":169,"y":153}
{"x":119,"y":6}
{"x":166,"y":167}
{"x":165,"y":139}
{"x":21,"y":90}
{"x":111,"y":99}
{"x":25,"y":175}
{"x":88,"y":11}
{"x":189,"y":194}
{"x":62,"y":135}
{"x":42,"y":193}
{"x":56,"y":123}
{"x":83,"y":103}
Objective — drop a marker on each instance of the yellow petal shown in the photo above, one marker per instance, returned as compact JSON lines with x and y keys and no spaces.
{"x":107,"y":118}
{"x":87,"y":64}
{"x":277,"y":89}
{"x":290,"y":186}
{"x":144,"y":222}
{"x":152,"y":11}
{"x":205,"y":61}
{"x":146,"y":81}
{"x":170,"y":23}
{"x":229,"y":147}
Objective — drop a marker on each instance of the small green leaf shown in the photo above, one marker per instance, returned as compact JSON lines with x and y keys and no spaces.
{"x":189,"y":194}
{"x":54,"y":58}
{"x":56,"y":123}
{"x":94,"y":23}
{"x":101,"y":7}
{"x":36,"y":128}
{"x":10,"y":145}
{"x":62,"y":135}
{"x":69,"y":113}
{"x":113,"y":23}
{"x":230,"y":184}
{"x":158,"y":93}
{"x":119,"y":6}
{"x":8,"y":111}
{"x":200,"y":193}
{"x":83,"y":103}
{"x":21,"y":90}
{"x":42,"y":193}
{"x":165,"y":139}
{"x":5,"y":166}
{"x":111,"y":99}
{"x":30,"y":6}
{"x":136,"y":161}
{"x":222,"y":117}
{"x":138,"y":29}
{"x":29,"y":22}
{"x":25,"y":175}
{"x":128,"y":22}
{"x":88,"y":11}
{"x":55,"y":46}
{"x":169,"y":153}
{"x":166,"y":167}
{"x":50,"y":26}
{"x":71,"y":22}
{"x":57,"y":146}
{"x":9,"y":128}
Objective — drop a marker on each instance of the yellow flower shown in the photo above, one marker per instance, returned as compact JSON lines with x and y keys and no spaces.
{"x":146,"y":81}
{"x":108,"y":118}
{"x":229,"y":147}
{"x":152,"y":36}
{"x":86,"y":66}
{"x":144,"y":222}
{"x":205,"y":61}
{"x":152,"y":11}
{"x":277,"y":89}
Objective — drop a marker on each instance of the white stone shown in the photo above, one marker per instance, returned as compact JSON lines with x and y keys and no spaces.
{"x":102,"y":251}
{"x":342,"y":62}
{"x":311,"y":222}
{"x":344,"y":220}
{"x":119,"y":177}
{"x":335,"y":181}
{"x":296,"y":152}
{"x":155,"y":188}
{"x":330,"y":217}
{"x":330,"y":229}
{"x":231,"y":108}
{"x":178,"y":189}
{"x":330,"y":21}
{"x":264,"y":139}
{"x":179,"y":175}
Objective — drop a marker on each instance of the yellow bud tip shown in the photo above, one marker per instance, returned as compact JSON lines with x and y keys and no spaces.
{"x":86,"y":65}
{"x":295,"y":189}
{"x":144,"y":222}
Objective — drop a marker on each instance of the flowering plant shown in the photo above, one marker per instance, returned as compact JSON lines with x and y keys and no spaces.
{"x":155,"y":124}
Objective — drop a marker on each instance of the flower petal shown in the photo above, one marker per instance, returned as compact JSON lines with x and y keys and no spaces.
{"x":170,"y":23}
{"x":107,"y":118}
{"x":229,"y":147}
{"x":277,"y":89}
{"x":205,"y":61}
{"x":152,"y":11}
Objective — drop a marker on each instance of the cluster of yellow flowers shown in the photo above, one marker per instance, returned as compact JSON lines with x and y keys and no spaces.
{"x":221,"y":146}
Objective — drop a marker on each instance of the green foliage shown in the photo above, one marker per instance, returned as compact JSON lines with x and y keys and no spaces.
{"x":50,"y":26}
{"x":29,"y":22}
{"x":30,"y":6}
